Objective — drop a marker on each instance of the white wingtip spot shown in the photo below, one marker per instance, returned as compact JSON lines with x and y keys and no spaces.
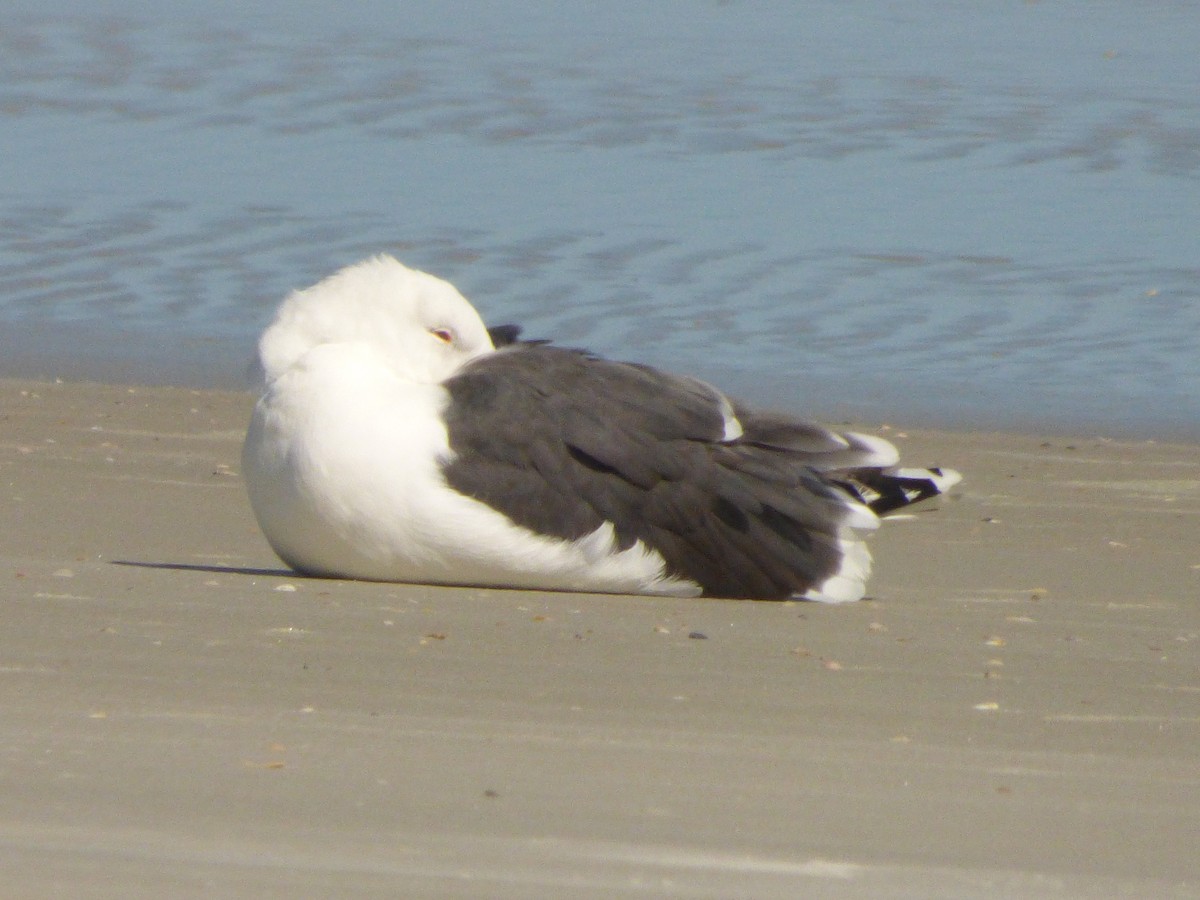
{"x":943,"y":479}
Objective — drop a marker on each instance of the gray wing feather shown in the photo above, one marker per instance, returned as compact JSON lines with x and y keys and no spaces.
{"x":561,"y":442}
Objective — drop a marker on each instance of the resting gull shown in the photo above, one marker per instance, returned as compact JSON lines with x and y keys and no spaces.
{"x":399,"y":439}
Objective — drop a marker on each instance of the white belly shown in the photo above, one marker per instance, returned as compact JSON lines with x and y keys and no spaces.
{"x":342,"y":463}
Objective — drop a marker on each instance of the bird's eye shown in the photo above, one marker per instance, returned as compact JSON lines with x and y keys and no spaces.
{"x":445,"y":335}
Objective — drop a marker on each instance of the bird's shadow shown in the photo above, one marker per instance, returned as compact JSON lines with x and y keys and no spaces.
{"x":223,"y":570}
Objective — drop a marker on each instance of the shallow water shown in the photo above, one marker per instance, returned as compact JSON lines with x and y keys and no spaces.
{"x":944,"y":214}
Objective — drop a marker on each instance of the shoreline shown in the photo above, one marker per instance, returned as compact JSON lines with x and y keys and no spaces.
{"x":1015,"y":707}
{"x":94,"y":353}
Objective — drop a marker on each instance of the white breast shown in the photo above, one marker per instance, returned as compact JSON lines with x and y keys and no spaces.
{"x":342,"y":463}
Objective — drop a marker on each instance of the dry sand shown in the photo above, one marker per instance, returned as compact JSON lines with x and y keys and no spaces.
{"x":1015,"y":713}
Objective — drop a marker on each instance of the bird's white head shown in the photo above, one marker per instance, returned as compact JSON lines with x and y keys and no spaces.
{"x":420,"y":324}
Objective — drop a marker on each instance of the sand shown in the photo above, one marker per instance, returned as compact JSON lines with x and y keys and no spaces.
{"x":1015,"y":712}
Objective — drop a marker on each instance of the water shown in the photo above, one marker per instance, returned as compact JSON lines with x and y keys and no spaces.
{"x":954,"y":214}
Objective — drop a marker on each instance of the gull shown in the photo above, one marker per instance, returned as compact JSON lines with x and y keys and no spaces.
{"x":399,"y":439}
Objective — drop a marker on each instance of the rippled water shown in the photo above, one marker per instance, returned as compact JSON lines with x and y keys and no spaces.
{"x":956,"y":214}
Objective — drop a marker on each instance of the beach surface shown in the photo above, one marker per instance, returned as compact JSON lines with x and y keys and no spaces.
{"x":1014,"y":713}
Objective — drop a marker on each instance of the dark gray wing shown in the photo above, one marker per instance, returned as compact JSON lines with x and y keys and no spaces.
{"x":561,"y":442}
{"x":503,"y":335}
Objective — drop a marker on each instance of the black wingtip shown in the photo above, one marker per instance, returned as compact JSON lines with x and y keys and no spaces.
{"x":898,"y":487}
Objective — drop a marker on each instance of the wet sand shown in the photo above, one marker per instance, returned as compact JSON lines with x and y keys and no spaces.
{"x":1014,"y":713}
